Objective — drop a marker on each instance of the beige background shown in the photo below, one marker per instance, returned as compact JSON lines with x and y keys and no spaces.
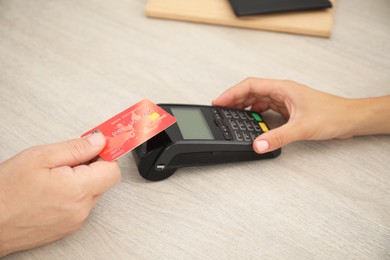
{"x":66,"y":66}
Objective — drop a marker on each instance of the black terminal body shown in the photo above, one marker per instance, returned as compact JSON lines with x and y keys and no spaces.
{"x":202,"y":135}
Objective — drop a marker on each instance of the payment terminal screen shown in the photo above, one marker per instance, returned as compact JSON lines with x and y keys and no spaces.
{"x":192,"y":123}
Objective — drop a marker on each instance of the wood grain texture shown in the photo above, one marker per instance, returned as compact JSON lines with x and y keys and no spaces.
{"x":66,"y":66}
{"x":314,"y":23}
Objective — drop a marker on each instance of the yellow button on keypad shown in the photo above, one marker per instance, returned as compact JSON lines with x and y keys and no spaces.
{"x":263,"y":127}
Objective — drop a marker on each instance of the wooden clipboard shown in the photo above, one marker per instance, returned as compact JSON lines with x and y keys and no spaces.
{"x":219,"y":12}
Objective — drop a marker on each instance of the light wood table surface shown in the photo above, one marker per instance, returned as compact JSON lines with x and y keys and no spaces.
{"x":66,"y":66}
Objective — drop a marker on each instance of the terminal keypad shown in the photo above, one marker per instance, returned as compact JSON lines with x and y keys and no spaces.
{"x":238,"y":124}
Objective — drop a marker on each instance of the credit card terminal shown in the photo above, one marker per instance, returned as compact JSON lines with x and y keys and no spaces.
{"x":202,"y":135}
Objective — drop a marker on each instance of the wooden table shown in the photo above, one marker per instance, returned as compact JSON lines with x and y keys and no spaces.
{"x":66,"y":66}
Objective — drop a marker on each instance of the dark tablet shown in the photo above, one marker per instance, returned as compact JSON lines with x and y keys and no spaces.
{"x":252,"y":7}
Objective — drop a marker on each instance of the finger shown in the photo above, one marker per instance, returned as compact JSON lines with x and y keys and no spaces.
{"x":95,"y":199}
{"x":73,"y":152}
{"x":98,"y":176}
{"x":236,"y":95}
{"x":276,"y":138}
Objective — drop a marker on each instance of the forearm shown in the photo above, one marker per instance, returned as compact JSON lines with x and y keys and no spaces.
{"x":3,"y":224}
{"x":369,"y":116}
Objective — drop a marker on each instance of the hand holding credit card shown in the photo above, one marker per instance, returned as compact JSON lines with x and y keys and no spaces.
{"x":132,"y":127}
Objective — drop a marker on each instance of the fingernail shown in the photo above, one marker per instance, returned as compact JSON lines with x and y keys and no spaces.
{"x":96,"y":138}
{"x":262,"y":146}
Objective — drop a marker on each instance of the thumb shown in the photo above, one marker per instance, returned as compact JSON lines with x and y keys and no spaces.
{"x":275,"y":138}
{"x":74,"y":152}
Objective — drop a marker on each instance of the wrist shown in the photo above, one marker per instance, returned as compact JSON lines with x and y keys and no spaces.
{"x":354,"y":116}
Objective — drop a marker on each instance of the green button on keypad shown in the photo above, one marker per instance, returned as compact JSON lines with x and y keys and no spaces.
{"x":257,"y":117}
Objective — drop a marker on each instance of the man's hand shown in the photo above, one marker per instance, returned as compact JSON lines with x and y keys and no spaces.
{"x":47,"y":192}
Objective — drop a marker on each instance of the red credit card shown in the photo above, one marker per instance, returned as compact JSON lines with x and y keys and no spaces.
{"x":132,"y":127}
